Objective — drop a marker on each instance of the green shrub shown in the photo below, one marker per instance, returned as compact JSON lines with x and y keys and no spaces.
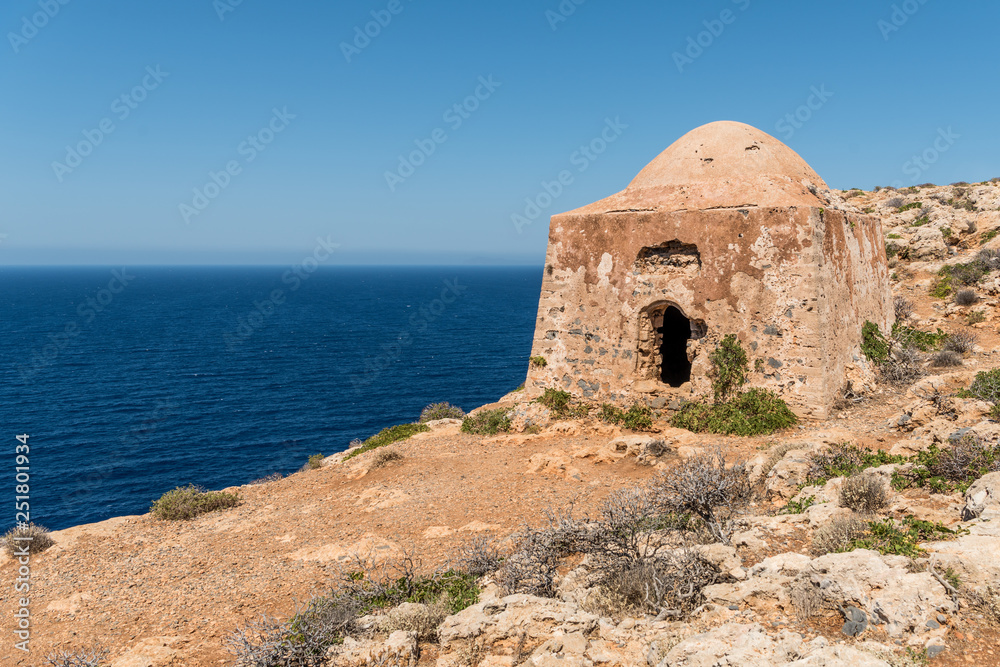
{"x":968,"y":274}
{"x":387,"y":436}
{"x":560,"y":404}
{"x":611,"y":414}
{"x":975,"y":317}
{"x":538,"y":362}
{"x":989,"y":236}
{"x":638,"y":418}
{"x":753,"y":412}
{"x":902,"y":539}
{"x":730,"y":368}
{"x":874,"y":345}
{"x":487,"y":422}
{"x":441,"y":411}
{"x":893,"y":236}
{"x":922,"y":340}
{"x":798,"y":506}
{"x":555,"y":400}
{"x":941,"y":288}
{"x":734,"y":412}
{"x":985,"y":387}
{"x":845,"y":460}
{"x":907,"y":207}
{"x":187,"y":502}
{"x":39,"y":542}
{"x":369,"y":591}
{"x":951,"y":469}
{"x":315,"y":461}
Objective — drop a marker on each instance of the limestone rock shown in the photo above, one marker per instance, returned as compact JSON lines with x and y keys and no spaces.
{"x":882,"y":586}
{"x":787,"y":475}
{"x":982,"y":495}
{"x":399,"y":650}
{"x":496,"y":620}
{"x":554,"y":462}
{"x":927,"y":243}
{"x":751,"y":646}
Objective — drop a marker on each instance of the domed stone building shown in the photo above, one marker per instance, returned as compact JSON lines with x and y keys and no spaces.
{"x":727,"y":231}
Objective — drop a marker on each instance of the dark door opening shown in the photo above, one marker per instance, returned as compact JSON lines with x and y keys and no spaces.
{"x":674,"y":334}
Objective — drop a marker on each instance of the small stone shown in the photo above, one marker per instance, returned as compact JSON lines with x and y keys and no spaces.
{"x":934,"y":650}
{"x":933,"y":625}
{"x":856,"y":623}
{"x":942,"y":618}
{"x":734,"y":607}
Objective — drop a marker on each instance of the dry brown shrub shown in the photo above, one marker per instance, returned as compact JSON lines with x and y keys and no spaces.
{"x":39,"y":542}
{"x":962,"y":342}
{"x":480,"y":556}
{"x":966,"y":297}
{"x":864,"y":493}
{"x":946,"y":358}
{"x":903,"y":307}
{"x":423,"y":619}
{"x":384,"y":456}
{"x":838,"y":534}
{"x":706,"y":487}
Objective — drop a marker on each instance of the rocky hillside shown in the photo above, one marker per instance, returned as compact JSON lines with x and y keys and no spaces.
{"x":869,"y":539}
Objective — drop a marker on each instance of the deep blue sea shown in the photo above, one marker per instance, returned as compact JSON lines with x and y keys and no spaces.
{"x":130,"y":382}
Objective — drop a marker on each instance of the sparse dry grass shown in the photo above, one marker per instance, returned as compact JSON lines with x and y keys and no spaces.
{"x":385,"y":456}
{"x":39,"y":542}
{"x":838,"y":534}
{"x":864,"y":493}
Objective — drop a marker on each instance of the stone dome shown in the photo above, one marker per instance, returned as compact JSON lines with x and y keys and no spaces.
{"x":721,"y":165}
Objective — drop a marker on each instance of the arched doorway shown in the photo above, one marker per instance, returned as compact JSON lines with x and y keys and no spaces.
{"x":664,"y":334}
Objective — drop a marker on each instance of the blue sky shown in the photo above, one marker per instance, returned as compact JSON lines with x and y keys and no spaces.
{"x":208,"y":84}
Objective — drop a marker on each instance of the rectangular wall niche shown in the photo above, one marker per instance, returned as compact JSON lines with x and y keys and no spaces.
{"x":668,"y":258}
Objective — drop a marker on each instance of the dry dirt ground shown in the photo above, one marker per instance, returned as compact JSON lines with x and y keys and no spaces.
{"x":168,"y":593}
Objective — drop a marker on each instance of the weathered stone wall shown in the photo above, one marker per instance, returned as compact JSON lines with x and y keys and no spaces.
{"x":793,"y":283}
